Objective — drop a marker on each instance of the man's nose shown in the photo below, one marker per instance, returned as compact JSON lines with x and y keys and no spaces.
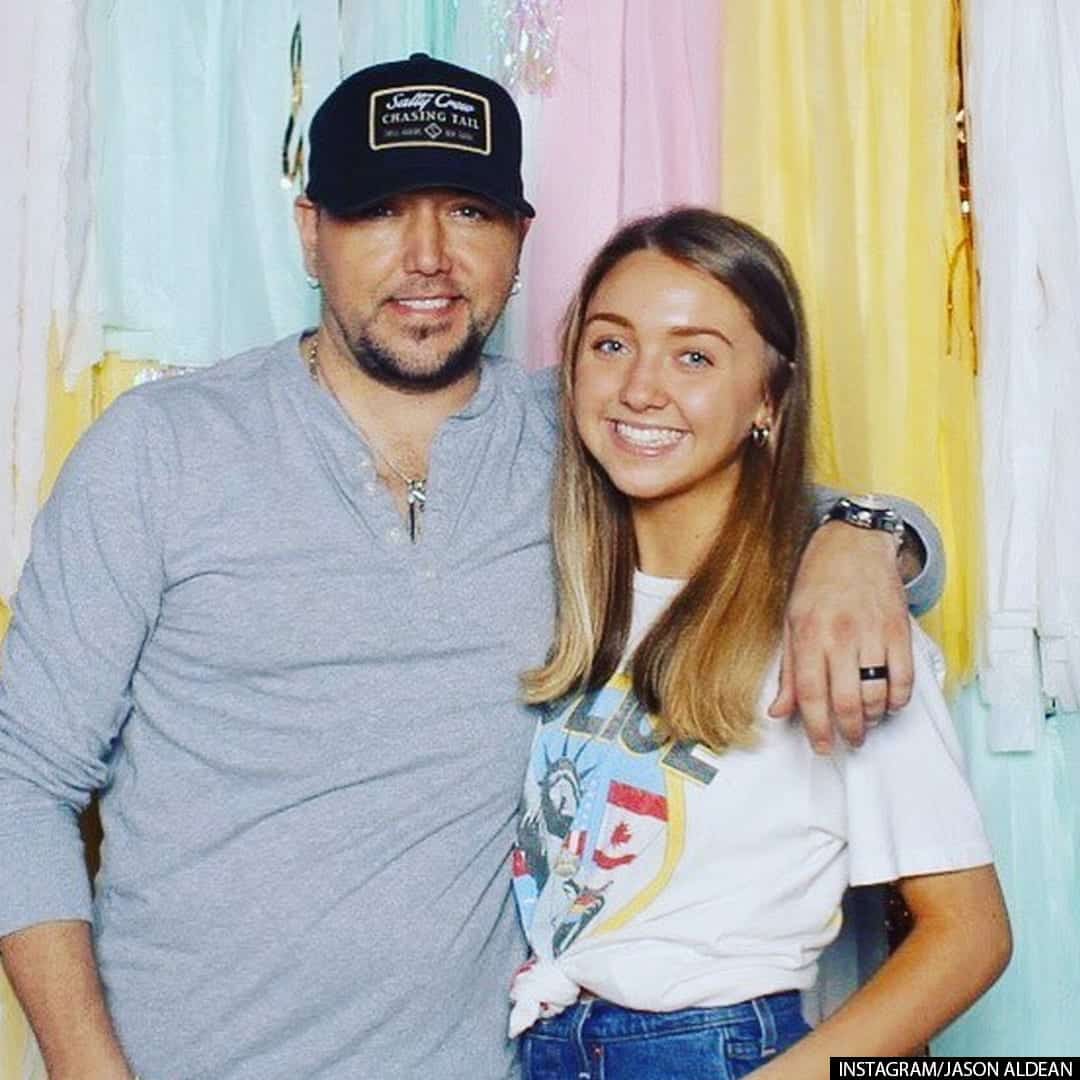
{"x":426,"y":250}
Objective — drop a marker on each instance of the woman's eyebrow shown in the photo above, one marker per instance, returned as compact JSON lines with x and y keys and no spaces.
{"x":695,"y":331}
{"x":608,"y":316}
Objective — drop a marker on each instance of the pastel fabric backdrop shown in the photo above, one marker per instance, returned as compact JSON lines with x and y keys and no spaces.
{"x":1021,"y":726}
{"x":198,"y":256}
{"x":631,"y":125}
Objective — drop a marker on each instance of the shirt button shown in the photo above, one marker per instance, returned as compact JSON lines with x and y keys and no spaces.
{"x":395,"y":535}
{"x":370,"y":487}
{"x":365,"y":462}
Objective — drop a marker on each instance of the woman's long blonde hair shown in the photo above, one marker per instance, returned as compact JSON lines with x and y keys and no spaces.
{"x":699,"y":669}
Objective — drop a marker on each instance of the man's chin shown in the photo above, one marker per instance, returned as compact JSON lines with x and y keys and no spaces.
{"x":438,"y":365}
{"x":448,"y":337}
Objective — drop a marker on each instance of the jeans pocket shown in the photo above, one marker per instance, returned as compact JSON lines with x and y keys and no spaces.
{"x":547,"y":1059}
{"x":742,"y":1056}
{"x":745,"y":1049}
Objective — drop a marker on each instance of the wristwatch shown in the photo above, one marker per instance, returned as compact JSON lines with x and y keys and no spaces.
{"x":866,"y":512}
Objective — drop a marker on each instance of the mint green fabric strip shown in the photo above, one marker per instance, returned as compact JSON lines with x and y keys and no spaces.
{"x":1031,"y":804}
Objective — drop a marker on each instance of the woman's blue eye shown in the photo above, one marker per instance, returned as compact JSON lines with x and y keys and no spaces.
{"x":609,"y":346}
{"x":696,"y":359}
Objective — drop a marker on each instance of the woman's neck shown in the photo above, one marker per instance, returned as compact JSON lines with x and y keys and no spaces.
{"x":674,"y":534}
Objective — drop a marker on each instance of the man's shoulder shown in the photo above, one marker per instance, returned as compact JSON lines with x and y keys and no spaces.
{"x":238,"y":378}
{"x":187,"y":405}
{"x":191,"y":410}
{"x":544,"y":383}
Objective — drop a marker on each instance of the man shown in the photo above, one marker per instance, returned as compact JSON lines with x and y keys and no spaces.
{"x":283,"y":642}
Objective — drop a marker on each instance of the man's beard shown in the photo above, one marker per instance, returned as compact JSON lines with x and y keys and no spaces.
{"x":389,"y":369}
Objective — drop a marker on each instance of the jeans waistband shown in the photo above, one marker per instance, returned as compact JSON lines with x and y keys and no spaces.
{"x":599,"y":1020}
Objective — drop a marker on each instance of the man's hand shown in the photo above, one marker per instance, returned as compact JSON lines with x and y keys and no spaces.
{"x":847,"y":610}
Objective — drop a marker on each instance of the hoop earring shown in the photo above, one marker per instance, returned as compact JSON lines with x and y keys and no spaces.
{"x":312,"y":281}
{"x":759,"y":434}
{"x":515,"y":285}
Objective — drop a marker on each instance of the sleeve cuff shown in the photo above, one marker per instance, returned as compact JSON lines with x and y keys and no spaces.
{"x":44,"y":878}
{"x":924,"y":590}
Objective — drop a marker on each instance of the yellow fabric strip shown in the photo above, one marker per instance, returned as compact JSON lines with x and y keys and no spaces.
{"x":71,"y":411}
{"x":19,"y":1057}
{"x":840,"y":142}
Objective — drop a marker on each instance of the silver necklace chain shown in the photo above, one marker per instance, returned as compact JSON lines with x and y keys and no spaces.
{"x":415,"y":486}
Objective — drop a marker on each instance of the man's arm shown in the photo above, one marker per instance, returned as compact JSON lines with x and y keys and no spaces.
{"x":89,"y":595}
{"x":54,"y":975}
{"x":849,"y":609}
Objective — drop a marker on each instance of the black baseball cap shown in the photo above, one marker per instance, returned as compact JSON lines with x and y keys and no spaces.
{"x":412,"y":124}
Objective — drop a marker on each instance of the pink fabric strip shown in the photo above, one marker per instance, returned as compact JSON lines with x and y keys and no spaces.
{"x":632,"y":126}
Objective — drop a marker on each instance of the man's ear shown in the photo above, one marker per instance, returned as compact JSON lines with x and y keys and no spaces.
{"x":525,"y":224}
{"x":306,"y":216}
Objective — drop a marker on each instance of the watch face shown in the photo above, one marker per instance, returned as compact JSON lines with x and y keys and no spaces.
{"x":870,"y":502}
{"x":858,"y":511}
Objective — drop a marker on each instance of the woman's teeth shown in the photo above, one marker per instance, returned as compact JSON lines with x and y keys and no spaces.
{"x":648,"y":436}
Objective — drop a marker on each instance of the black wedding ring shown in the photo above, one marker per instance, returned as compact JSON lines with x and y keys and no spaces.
{"x":878,"y":671}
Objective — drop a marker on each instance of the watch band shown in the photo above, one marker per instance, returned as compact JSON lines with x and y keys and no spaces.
{"x":871,"y":513}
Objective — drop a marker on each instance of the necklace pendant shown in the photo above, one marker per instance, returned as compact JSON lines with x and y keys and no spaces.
{"x":415,"y":497}
{"x":415,"y":489}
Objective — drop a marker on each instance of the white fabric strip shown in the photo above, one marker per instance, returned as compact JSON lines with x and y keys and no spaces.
{"x":1023,"y":92}
{"x":44,"y":235}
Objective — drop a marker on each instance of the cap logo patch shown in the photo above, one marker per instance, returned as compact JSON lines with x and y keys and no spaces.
{"x":430,"y":116}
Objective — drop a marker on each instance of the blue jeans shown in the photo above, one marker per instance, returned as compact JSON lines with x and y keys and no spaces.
{"x":595,"y":1040}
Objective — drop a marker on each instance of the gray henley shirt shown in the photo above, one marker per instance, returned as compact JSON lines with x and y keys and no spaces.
{"x":305,"y":728}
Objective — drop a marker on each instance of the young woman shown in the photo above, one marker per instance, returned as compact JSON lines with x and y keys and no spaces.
{"x":681,"y":855}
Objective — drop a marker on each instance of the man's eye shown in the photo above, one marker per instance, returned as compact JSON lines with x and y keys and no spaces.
{"x":472,"y":212}
{"x":375,"y":210}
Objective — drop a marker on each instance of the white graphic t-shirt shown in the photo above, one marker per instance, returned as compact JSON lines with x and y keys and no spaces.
{"x":659,"y":875}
